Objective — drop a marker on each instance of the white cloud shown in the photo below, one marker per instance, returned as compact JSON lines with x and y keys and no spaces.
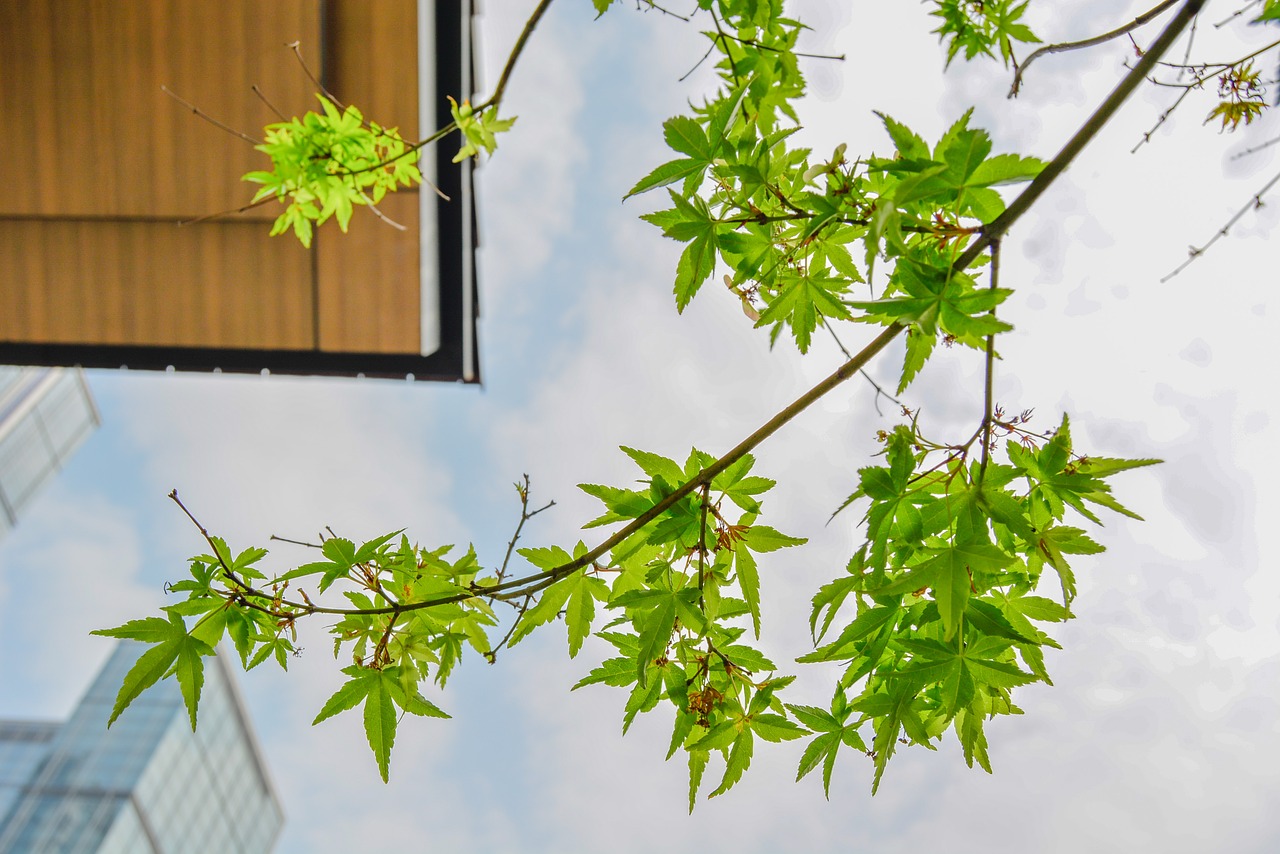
{"x":71,"y":566}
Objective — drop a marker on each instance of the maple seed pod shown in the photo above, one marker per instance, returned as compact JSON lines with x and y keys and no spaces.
{"x":814,"y":171}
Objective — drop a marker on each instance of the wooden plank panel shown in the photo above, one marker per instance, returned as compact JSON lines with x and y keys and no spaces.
{"x":153,"y":284}
{"x":368,"y":280}
{"x":87,"y":131}
{"x":371,"y":59}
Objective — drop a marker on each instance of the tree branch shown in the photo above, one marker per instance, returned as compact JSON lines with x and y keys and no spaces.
{"x":988,"y":237}
{"x":996,"y":229}
{"x":990,"y":370}
{"x":1084,"y":43}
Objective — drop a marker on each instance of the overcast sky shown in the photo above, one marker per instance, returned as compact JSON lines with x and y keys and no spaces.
{"x":1161,"y":732}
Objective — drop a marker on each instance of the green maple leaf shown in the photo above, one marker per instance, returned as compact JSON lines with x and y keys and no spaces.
{"x":832,"y":731}
{"x":951,"y":574}
{"x":935,"y":298}
{"x":175,"y":652}
{"x":381,"y":691}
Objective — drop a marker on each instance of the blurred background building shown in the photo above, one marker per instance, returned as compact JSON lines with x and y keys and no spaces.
{"x":45,"y":413}
{"x":148,"y":785}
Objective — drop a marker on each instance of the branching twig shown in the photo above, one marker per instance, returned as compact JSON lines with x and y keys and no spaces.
{"x":522,"y":489}
{"x":1085,"y":43}
{"x":647,"y":5}
{"x":492,"y":102}
{"x":880,"y":392}
{"x":997,"y":228}
{"x":492,"y":655}
{"x":1196,"y":251}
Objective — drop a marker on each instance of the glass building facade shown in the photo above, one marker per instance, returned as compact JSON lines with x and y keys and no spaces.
{"x":45,"y":413}
{"x":149,"y":785}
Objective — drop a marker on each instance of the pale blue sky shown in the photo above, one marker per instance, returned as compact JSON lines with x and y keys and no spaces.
{"x":1161,"y":732}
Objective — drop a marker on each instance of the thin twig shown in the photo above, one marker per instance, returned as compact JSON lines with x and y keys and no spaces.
{"x":649,"y":4}
{"x":1223,"y":65}
{"x":880,"y":392}
{"x":1191,"y":40}
{"x":296,"y":47}
{"x":756,"y":44}
{"x":245,"y":589}
{"x":380,"y":215}
{"x":492,"y":655}
{"x":1084,"y":43}
{"x":297,"y":542}
{"x":522,"y":489}
{"x":208,"y":118}
{"x":990,"y":370}
{"x":259,"y":203}
{"x":529,"y":26}
{"x":1237,"y":13}
{"x":1254,"y":149}
{"x":997,"y":228}
{"x":696,"y":65}
{"x":492,"y":102}
{"x":1164,"y":117}
{"x":1196,"y":251}
{"x":702,"y":545}
{"x":270,"y":106}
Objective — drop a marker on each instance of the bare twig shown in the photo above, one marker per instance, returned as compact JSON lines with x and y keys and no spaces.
{"x":243,"y":208}
{"x":880,"y":392}
{"x":1254,"y":149}
{"x":492,"y":655}
{"x":647,"y":5}
{"x":997,"y":228}
{"x":296,"y":47}
{"x":522,"y":489}
{"x":297,"y":542}
{"x":1196,"y":251}
{"x":1237,"y":13}
{"x":270,"y":106}
{"x":380,"y":215}
{"x":208,"y":118}
{"x":1085,"y":43}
